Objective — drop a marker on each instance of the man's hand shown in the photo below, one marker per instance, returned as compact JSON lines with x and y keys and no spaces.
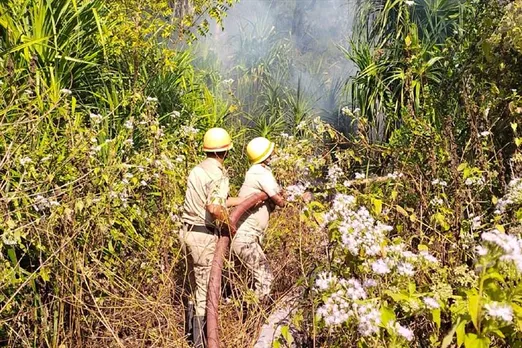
{"x":218,"y":212}
{"x":279,"y":200}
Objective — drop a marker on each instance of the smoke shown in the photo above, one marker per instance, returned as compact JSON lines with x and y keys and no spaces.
{"x":295,"y":40}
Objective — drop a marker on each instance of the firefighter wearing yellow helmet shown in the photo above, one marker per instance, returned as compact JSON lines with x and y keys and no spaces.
{"x":246,"y":245}
{"x":206,"y":200}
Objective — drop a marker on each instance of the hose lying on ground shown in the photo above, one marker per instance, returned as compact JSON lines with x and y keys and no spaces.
{"x":214,"y":284}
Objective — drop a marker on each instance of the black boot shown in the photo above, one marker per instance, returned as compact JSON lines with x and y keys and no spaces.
{"x":189,"y":318}
{"x":199,"y":334}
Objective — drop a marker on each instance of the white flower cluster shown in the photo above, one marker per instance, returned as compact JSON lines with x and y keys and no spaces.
{"x":25,"y":160}
{"x":188,"y":130}
{"x":128,"y":124}
{"x":402,"y":331}
{"x":302,"y":125}
{"x":394,"y":175}
{"x":325,"y":280}
{"x":41,"y":203}
{"x":501,"y":311}
{"x":510,"y":245}
{"x":294,"y":192}
{"x":476,"y":221}
{"x":401,"y":260}
{"x":437,"y":201}
{"x":438,"y":182}
{"x":475,"y":181}
{"x":341,"y":305}
{"x":359,"y":230}
{"x":369,"y":319}
{"x":96,"y":118}
{"x":513,"y":196}
{"x":431,"y":303}
{"x":335,"y":310}
{"x":335,"y":172}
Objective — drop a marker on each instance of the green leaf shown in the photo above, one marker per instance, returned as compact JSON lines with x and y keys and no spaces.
{"x":285,"y":333}
{"x":402,"y":211}
{"x":446,"y":342}
{"x":435,"y":314}
{"x":461,"y":332}
{"x":473,"y":309}
{"x":474,"y":341}
{"x":411,"y":287}
{"x":377,"y":206}
{"x":462,"y":166}
{"x":387,"y":315}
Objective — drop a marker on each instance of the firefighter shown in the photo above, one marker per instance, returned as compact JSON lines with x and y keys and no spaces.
{"x":205,"y":206}
{"x":246,"y":244}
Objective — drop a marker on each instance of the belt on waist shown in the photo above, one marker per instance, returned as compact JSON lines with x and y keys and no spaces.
{"x":201,"y":229}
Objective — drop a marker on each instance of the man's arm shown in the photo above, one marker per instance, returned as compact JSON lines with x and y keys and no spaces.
{"x":234,"y":201}
{"x":279,"y":200}
{"x":218,"y":212}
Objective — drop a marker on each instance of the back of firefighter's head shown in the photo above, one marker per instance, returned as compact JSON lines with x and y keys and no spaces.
{"x":259,"y":150}
{"x":217,"y":142}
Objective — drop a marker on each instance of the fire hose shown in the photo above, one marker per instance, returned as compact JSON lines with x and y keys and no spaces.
{"x":214,"y":284}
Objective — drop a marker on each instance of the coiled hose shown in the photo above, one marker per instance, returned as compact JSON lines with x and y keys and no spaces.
{"x":214,"y":284}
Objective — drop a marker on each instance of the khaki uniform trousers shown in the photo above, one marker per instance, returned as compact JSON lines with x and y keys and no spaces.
{"x":199,"y":249}
{"x":246,"y":247}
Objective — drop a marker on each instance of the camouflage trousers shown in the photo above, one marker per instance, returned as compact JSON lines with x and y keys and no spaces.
{"x":247,"y":248}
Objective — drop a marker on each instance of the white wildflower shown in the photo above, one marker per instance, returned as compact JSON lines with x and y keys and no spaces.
{"x":481,"y":251}
{"x":96,"y":118}
{"x":500,"y":310}
{"x":438,"y":182}
{"x":485,"y":134}
{"x":152,"y":99}
{"x":293,"y":192}
{"x":325,"y":280}
{"x":406,"y":269}
{"x":360,"y":175}
{"x":428,"y":257}
{"x":189,"y":130}
{"x":476,"y":222}
{"x":369,"y":320}
{"x":437,"y":201}
{"x":404,"y":332}
{"x":431,"y":303}
{"x":128,"y":124}
{"x":334,"y":173}
{"x":65,"y":91}
{"x":409,"y":2}
{"x":380,"y":267}
{"x":143,"y":183}
{"x":25,"y":160}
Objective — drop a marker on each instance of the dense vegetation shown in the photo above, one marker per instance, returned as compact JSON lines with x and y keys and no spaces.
{"x":413,"y":238}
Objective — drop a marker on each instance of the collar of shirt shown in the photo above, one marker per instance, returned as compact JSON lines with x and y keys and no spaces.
{"x":266,"y":166}
{"x":214,"y":162}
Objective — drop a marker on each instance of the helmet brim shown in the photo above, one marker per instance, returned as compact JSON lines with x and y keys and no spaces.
{"x":265,"y":155}
{"x":219,"y":149}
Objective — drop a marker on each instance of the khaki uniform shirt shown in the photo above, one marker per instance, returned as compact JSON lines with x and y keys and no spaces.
{"x":207,"y":184}
{"x":258,"y":178}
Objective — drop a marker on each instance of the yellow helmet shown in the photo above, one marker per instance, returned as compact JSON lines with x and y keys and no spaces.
{"x":259,"y":149}
{"x":217,"y":140}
